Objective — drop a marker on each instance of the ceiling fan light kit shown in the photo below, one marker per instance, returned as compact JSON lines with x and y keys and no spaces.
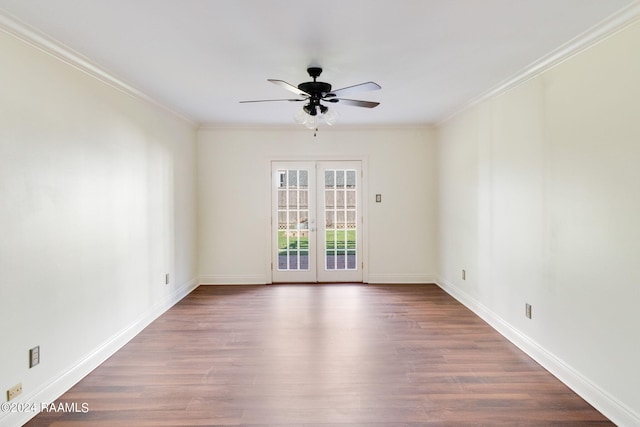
{"x":314,"y":93}
{"x":311,"y":118}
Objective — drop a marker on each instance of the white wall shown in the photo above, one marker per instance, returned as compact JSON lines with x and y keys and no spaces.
{"x":539,"y":202}
{"x":535,"y":193}
{"x":97,"y":203}
{"x":234,"y":197}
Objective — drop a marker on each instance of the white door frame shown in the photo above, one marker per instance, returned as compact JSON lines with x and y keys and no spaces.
{"x":338,"y":274}
{"x":297,"y":206}
{"x":363,"y":213}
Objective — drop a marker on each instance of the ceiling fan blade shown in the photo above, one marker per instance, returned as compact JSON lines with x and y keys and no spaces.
{"x":289,"y":87}
{"x":362,"y":87}
{"x":354,"y":102}
{"x":271,"y":100}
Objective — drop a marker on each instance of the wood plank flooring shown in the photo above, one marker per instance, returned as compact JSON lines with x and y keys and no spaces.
{"x":321,"y":355}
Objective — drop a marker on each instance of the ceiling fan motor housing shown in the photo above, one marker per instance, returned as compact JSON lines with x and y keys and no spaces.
{"x":314,"y":89}
{"x":317,"y":90}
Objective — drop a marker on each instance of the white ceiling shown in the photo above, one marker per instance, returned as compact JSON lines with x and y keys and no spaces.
{"x":200,"y":57}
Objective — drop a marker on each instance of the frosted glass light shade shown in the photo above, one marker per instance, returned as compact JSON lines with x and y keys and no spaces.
{"x":302,"y":117}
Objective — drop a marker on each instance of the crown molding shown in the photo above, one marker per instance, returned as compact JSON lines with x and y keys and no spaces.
{"x":31,"y":36}
{"x":601,"y":31}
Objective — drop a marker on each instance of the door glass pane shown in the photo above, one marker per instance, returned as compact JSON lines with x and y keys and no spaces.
{"x":304,"y":199}
{"x":351,"y":199}
{"x":351,"y":179}
{"x":282,"y":250}
{"x":282,"y":179}
{"x":292,"y":201}
{"x":351,"y":220}
{"x":293,"y":261}
{"x":331,"y":260}
{"x":293,"y":178}
{"x":329,"y":179}
{"x":329,"y":199}
{"x":340,"y":260}
{"x":340,"y":219}
{"x":304,"y":260}
{"x":304,"y":179}
{"x":293,"y":220}
{"x":340,"y":199}
{"x":330,"y":219}
{"x":330,"y":239}
{"x":282,"y":199}
{"x":303,"y":223}
{"x":351,"y":249}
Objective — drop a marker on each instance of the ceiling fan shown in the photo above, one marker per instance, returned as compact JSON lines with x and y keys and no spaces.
{"x":315,"y":93}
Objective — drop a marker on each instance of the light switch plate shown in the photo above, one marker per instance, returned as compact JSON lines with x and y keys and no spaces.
{"x":34,"y":356}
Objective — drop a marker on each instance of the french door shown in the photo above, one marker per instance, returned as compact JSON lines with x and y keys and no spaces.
{"x":316,"y":221}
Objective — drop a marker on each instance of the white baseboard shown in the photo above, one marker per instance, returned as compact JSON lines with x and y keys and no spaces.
{"x":52,"y":390}
{"x":229,"y":279}
{"x":401,"y":278}
{"x":617,"y":412}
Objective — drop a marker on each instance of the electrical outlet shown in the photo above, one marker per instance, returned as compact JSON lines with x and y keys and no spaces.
{"x":527,"y":310}
{"x":464,"y":274}
{"x":34,"y":356}
{"x":166,"y":279}
{"x":14,"y":391}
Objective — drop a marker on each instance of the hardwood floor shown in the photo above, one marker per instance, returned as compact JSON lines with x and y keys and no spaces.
{"x":321,"y":355}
